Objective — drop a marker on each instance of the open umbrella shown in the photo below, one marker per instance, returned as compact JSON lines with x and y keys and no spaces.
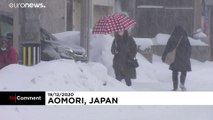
{"x":113,"y":23}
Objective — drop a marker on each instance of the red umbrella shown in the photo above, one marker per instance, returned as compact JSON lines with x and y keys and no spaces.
{"x":113,"y":23}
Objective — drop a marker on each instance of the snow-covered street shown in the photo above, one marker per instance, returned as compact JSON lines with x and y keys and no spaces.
{"x":106,"y":59}
{"x":107,"y":112}
{"x":160,"y":79}
{"x":97,"y":75}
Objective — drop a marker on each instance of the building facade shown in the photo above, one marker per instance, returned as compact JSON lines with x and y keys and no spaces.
{"x":65,"y":15}
{"x":161,"y":16}
{"x":209,"y":24}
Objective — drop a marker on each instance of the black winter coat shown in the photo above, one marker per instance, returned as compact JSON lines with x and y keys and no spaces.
{"x":183,"y":53}
{"x":123,"y":49}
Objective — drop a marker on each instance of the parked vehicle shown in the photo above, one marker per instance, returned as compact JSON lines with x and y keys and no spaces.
{"x":51,"y":47}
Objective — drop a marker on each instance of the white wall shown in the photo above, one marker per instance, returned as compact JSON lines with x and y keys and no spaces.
{"x":100,"y":11}
{"x":103,"y":2}
{"x":100,"y":8}
{"x":76,"y":15}
{"x":4,"y":6}
{"x":53,"y":17}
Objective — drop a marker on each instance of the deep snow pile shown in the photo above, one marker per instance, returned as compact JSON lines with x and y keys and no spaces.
{"x":100,"y":47}
{"x":200,"y":35}
{"x":58,"y":75}
{"x":143,"y":43}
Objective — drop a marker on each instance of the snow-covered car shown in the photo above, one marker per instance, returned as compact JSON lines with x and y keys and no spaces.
{"x":51,"y":47}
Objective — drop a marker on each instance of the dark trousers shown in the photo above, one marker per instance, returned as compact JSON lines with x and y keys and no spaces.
{"x":120,"y":75}
{"x":128,"y":81}
{"x":175,"y":78}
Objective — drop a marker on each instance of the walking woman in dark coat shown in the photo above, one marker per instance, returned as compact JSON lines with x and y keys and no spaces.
{"x":124,"y":49}
{"x":182,"y":60}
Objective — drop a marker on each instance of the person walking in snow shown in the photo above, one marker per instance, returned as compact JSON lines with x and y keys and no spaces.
{"x":182,"y":64}
{"x":8,"y":54}
{"x":124,"y":50}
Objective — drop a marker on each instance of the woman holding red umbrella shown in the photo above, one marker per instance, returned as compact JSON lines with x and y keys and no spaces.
{"x":124,"y":50}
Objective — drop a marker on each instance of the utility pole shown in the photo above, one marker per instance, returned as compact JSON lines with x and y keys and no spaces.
{"x":27,"y":33}
{"x":69,"y":12}
{"x":85,"y":24}
{"x":211,"y":33}
{"x":117,"y":6}
{"x":132,"y":13}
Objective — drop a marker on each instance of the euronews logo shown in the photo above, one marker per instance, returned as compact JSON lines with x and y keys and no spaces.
{"x":27,"y":5}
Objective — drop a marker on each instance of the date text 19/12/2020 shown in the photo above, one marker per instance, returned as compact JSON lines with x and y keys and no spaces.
{"x":82,"y":101}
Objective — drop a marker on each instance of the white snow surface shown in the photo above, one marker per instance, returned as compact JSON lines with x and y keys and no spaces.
{"x":72,"y":37}
{"x":67,"y":75}
{"x":200,"y":35}
{"x":58,"y":75}
{"x":161,"y":39}
{"x":143,"y":43}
